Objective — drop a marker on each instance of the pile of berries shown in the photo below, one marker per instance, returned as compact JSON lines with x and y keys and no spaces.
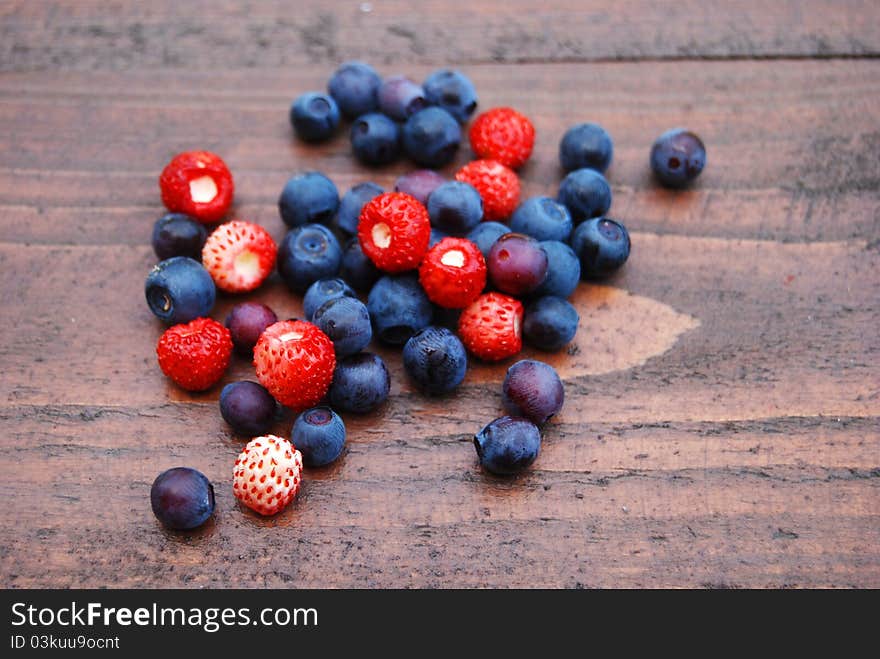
{"x":440,"y":267}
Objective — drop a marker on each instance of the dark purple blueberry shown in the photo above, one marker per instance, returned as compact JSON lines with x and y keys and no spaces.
{"x":399,"y":308}
{"x":375,"y":139}
{"x":308,"y":198}
{"x":586,"y":145}
{"x":677,"y":157}
{"x":508,"y":445}
{"x":346,"y":321}
{"x":352,"y":203}
{"x":182,"y":498}
{"x":176,"y":234}
{"x":455,"y":207}
{"x":357,"y":268}
{"x":542,"y":218}
{"x":360,"y":383}
{"x":400,"y":97}
{"x":431,"y":137}
{"x":355,"y":87}
{"x":322,"y":291}
{"x":485,"y":234}
{"x":419,"y":183}
{"x":248,"y":408}
{"x":563,"y":270}
{"x":453,"y":91}
{"x":314,"y":116}
{"x":516,"y":265}
{"x":549,"y":323}
{"x":585,"y":193}
{"x":306,"y":254}
{"x":179,"y":290}
{"x":245,"y":322}
{"x":319,"y":434}
{"x":602,"y":245}
{"x":435,"y":359}
{"x":532,"y":389}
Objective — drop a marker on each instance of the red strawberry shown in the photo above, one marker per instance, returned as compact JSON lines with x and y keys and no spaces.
{"x":239,"y":255}
{"x":453,"y":273}
{"x":498,"y":187}
{"x":491,"y":327}
{"x":295,"y":362}
{"x":199,"y":184}
{"x":503,"y":134}
{"x":267,"y":474}
{"x":394,"y":231}
{"x":195,"y":355}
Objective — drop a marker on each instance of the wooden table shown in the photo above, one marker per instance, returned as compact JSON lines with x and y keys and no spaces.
{"x":721,"y":425}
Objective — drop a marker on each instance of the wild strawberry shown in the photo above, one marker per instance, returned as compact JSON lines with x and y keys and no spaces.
{"x":453,"y":273}
{"x":195,"y":355}
{"x":239,"y":256}
{"x":267,"y":474}
{"x":295,"y":362}
{"x":498,"y":187}
{"x":199,"y":184}
{"x":491,"y":327}
{"x":394,"y":230}
{"x":503,"y":134}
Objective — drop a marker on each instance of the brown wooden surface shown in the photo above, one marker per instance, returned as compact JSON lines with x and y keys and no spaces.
{"x":721,"y":425}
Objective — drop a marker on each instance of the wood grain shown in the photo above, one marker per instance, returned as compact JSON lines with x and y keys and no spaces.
{"x":722,"y":423}
{"x":92,"y":34}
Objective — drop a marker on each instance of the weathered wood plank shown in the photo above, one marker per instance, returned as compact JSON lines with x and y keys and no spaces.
{"x":91,"y":35}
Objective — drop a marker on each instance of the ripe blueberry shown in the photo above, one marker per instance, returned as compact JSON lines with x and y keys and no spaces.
{"x":347,"y":322}
{"x":306,"y":254}
{"x":431,"y":137}
{"x":247,"y":407}
{"x":508,"y":445}
{"x":455,"y":208}
{"x":435,"y":359}
{"x":307,"y":198}
{"x":351,"y":204}
{"x":677,"y":157}
{"x":542,"y":218}
{"x":452,"y":91}
{"x":602,"y":244}
{"x":549,"y":323}
{"x":400,"y":97}
{"x":585,"y":193}
{"x":485,"y":234}
{"x":375,"y":139}
{"x":322,"y":291}
{"x":182,"y":498}
{"x":314,"y":116}
{"x":354,"y":86}
{"x":357,"y":269}
{"x":360,"y":383}
{"x":398,"y":308}
{"x":176,"y":234}
{"x":179,"y":290}
{"x":563,"y":270}
{"x":319,"y":434}
{"x":586,"y":145}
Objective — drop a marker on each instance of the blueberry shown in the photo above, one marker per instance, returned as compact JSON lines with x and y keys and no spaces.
{"x":306,"y":254}
{"x":485,"y":234}
{"x":419,"y":183}
{"x":532,"y":389}
{"x":453,"y":91}
{"x":677,"y":157}
{"x":314,"y":116}
{"x":435,"y":359}
{"x":176,"y":234}
{"x":357,"y":269}
{"x":319,"y":434}
{"x":586,"y":145}
{"x":245,"y":322}
{"x":398,"y":308}
{"x":347,"y":322}
{"x":508,"y":445}
{"x":375,"y":139}
{"x":542,"y":218}
{"x":182,"y":498}
{"x":308,"y":198}
{"x":179,"y":290}
{"x":352,"y":203}
{"x":585,"y":193}
{"x":360,"y":383}
{"x":355,"y":86}
{"x":602,"y":245}
{"x":516,"y":264}
{"x":322,"y":291}
{"x":400,"y":97}
{"x":455,"y":207}
{"x":549,"y":323}
{"x":563,"y":270}
{"x":248,"y":407}
{"x":431,"y":137}
{"x":436,"y":237}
